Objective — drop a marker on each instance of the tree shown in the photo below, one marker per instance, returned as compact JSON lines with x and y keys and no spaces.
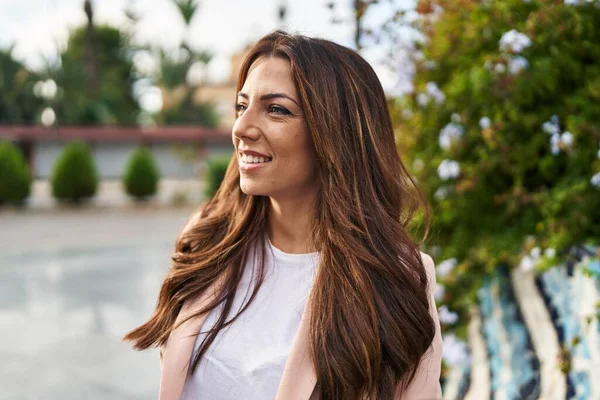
{"x":96,"y":84}
{"x":503,"y":131}
{"x":359,"y":12}
{"x":179,"y":106}
{"x":18,"y":104}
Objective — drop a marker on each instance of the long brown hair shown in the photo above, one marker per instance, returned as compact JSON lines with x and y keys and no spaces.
{"x":372,"y":323}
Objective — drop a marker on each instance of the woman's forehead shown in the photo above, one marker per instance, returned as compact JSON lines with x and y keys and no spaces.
{"x":269,"y":74}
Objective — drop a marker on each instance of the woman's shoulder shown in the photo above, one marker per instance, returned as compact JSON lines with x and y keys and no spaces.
{"x":429,"y":265}
{"x":427,"y":261}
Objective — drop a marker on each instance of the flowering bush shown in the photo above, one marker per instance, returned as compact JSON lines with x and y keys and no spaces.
{"x":503,"y":131}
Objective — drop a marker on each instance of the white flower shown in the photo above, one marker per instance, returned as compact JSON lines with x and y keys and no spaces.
{"x":46,"y":89}
{"x":446,"y":266}
{"x":550,"y":128}
{"x":439,"y":292}
{"x":450,"y":132}
{"x":441,"y":193}
{"x":448,"y":169}
{"x":407,"y":113}
{"x":514,"y":41}
{"x":500,"y":68}
{"x":422,"y":99}
{"x":455,"y":118}
{"x":567,"y":139}
{"x":48,"y":117}
{"x":550,"y":252}
{"x":554,"y":143}
{"x":418,"y":55}
{"x":434,"y":91}
{"x":518,"y":64}
{"x":485,"y":123}
{"x":598,"y":155}
{"x":454,"y":351}
{"x":446,"y":316}
{"x":527,"y":263}
{"x":536,"y":252}
{"x":577,"y":2}
{"x":596,"y":180}
{"x":151,"y":100}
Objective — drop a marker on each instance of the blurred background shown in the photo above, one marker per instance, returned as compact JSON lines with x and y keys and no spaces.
{"x":115,"y":121}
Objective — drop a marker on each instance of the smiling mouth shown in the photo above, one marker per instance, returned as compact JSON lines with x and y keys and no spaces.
{"x":248,"y":159}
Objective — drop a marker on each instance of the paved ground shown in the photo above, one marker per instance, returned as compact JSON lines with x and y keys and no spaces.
{"x":110,"y":193}
{"x":72,"y":283}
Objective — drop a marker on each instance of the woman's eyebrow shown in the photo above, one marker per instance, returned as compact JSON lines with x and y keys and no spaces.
{"x":270,"y":96}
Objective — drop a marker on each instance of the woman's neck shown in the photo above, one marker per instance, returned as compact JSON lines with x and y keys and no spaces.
{"x":289,"y":224}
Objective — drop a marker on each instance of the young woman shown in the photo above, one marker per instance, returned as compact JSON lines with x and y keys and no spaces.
{"x":299,"y":280}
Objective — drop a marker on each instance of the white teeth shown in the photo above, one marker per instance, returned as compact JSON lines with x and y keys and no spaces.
{"x":254,"y":159}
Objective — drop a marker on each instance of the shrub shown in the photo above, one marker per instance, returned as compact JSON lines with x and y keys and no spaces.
{"x":215,"y":172}
{"x":141,"y":175}
{"x":15,"y":177}
{"x":74,"y":177}
{"x":503,"y":130}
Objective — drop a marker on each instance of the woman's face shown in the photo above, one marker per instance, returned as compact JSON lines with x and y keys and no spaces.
{"x":273,"y":146}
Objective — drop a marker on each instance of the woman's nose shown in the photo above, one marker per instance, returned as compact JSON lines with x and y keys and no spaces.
{"x":246,"y":125}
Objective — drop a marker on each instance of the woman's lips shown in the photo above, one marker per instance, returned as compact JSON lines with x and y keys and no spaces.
{"x":247,"y":167}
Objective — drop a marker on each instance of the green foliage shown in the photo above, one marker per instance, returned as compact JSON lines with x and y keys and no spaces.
{"x":519,"y":185}
{"x":189,"y":113}
{"x":215,"y":172}
{"x":15,"y":178}
{"x":18,"y":104}
{"x":74,"y":176}
{"x":179,"y":106}
{"x":141,"y":174}
{"x":187,"y":9}
{"x":108,"y":98}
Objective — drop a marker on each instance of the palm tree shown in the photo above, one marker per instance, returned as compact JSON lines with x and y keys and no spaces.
{"x":187,"y":9}
{"x":90,"y":52}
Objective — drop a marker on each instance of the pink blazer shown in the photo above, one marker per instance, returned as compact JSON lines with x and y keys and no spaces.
{"x":299,"y":381}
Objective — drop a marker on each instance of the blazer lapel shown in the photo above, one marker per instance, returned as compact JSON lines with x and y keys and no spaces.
{"x":179,"y":347}
{"x":299,"y":377}
{"x":297,"y":381}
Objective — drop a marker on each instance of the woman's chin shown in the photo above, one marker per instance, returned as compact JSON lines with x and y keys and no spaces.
{"x":252,"y":189}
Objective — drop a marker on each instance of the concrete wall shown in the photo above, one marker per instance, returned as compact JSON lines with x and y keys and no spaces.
{"x":111,"y":158}
{"x":175,"y":161}
{"x":44,"y":157}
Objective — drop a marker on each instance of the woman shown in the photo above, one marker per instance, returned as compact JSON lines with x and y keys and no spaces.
{"x":300,"y":271}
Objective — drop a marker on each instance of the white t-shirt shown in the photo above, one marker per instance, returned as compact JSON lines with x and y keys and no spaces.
{"x":246,"y":359}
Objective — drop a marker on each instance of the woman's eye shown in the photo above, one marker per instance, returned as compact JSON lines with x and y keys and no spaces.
{"x":239,"y":108}
{"x":279,"y":110}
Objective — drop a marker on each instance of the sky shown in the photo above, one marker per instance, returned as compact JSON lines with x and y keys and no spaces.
{"x":38,"y":28}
